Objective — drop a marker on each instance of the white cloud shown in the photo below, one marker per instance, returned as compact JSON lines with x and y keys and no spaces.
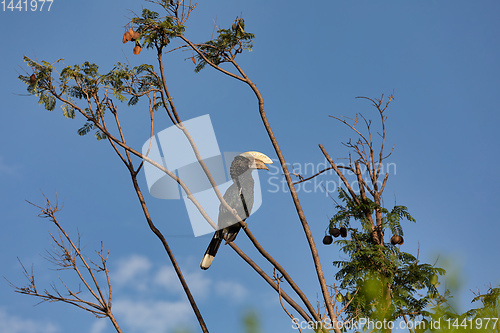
{"x":232,"y":290}
{"x":99,"y":325}
{"x":133,"y":270}
{"x":198,"y":283}
{"x":16,"y":324}
{"x":137,"y":271}
{"x":167,"y":278}
{"x":153,"y":316}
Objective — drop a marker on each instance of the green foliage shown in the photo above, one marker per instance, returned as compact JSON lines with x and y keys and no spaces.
{"x":134,"y":81}
{"x":84,"y":82}
{"x":251,"y":322}
{"x":156,"y":31}
{"x":359,"y":212}
{"x":385,"y":283}
{"x":366,"y":207}
{"x":485,"y":318}
{"x":226,"y":46}
{"x":43,"y":74}
{"x":68,"y":111}
{"x":87,"y":127}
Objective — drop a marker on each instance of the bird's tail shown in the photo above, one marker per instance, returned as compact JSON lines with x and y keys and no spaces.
{"x":211,"y":250}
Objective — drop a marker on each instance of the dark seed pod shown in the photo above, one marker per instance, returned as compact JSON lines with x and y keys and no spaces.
{"x":397,"y":240}
{"x":343,"y":232}
{"x":327,"y":240}
{"x":32,"y":78}
{"x":394,"y":239}
{"x":335,"y":232}
{"x":137,"y":49}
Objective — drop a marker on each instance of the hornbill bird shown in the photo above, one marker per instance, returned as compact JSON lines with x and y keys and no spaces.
{"x":239,"y":196}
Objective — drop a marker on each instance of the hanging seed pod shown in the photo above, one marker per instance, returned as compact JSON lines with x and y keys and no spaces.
{"x":394,"y":239}
{"x":32,"y":78}
{"x":348,"y":296}
{"x":339,"y":297}
{"x":335,"y":232}
{"x":126,"y":37}
{"x":397,"y":240}
{"x":343,"y":232}
{"x":327,"y":240}
{"x":434,"y":279}
{"x":137,"y":49}
{"x":134,"y":35}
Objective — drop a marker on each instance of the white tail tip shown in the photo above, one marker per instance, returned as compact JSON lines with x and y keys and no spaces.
{"x":206,"y":261}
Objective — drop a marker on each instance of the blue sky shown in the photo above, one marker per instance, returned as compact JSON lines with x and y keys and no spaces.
{"x":310,"y":60}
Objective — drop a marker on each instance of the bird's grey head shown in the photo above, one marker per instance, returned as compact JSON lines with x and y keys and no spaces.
{"x":248,"y":161}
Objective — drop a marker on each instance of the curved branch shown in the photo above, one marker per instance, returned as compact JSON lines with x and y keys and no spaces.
{"x":170,"y":254}
{"x":270,"y":281}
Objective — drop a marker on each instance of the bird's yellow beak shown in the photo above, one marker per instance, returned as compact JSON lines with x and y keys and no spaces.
{"x":259,"y":160}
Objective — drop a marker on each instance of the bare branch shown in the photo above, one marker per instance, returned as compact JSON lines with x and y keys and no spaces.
{"x":67,"y":254}
{"x":284,"y":273}
{"x":320,"y":172}
{"x":278,"y":282}
{"x":270,"y":281}
{"x":341,"y":176}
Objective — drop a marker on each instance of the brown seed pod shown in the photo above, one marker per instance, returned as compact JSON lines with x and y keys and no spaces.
{"x":137,"y":49}
{"x":335,"y":232}
{"x":343,"y":232}
{"x":126,"y":37}
{"x":397,"y":240}
{"x":134,"y":35}
{"x":327,"y":240}
{"x":32,"y":78}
